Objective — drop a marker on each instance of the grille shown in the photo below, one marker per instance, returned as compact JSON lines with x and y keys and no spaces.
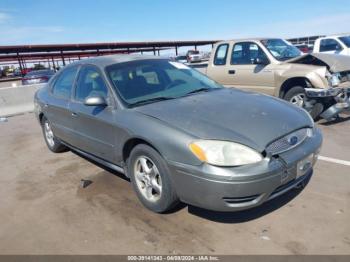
{"x":288,"y":142}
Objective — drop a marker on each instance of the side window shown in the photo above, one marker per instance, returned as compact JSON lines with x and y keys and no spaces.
{"x":90,"y":83}
{"x":63,"y":85}
{"x":329,"y":45}
{"x":246,"y":53}
{"x":221,"y":55}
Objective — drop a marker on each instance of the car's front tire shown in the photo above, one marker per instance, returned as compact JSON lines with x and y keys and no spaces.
{"x":150,"y":178}
{"x":296,"y":95}
{"x":51,"y":141}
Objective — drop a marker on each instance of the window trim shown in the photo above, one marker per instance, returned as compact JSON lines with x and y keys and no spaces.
{"x":216,"y":52}
{"x":247,"y":42}
{"x":73,"y":84}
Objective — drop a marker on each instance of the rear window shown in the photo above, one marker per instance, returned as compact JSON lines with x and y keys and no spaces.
{"x":221,"y":54}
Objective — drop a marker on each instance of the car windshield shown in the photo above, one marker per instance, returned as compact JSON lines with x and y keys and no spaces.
{"x":281,"y":49}
{"x":151,"y":80}
{"x":345,"y":40}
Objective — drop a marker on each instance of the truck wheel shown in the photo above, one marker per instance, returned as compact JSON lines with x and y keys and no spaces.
{"x":296,"y":95}
{"x":51,"y":141}
{"x":150,"y":178}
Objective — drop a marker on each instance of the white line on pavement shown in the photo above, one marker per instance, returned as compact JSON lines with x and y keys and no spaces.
{"x":334,"y":160}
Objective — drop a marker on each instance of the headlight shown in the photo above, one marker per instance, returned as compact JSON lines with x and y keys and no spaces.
{"x":223,"y":153}
{"x":334,"y":79}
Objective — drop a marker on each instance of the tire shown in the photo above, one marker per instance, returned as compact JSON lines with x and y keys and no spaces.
{"x":294,"y":94}
{"x":51,"y":141}
{"x":150,"y":178}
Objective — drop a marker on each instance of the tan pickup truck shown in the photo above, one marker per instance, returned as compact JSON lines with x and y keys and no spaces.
{"x":318,"y":82}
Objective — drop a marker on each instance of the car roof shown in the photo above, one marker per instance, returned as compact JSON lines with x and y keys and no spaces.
{"x":249,"y":39}
{"x":103,"y":61}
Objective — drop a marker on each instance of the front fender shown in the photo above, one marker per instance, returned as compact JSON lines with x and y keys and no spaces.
{"x":171,"y":142}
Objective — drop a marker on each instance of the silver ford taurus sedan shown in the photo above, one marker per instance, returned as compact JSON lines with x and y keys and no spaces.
{"x":177,"y":134}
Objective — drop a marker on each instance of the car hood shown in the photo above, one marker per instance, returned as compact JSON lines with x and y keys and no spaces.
{"x":248,"y":118}
{"x":335,"y":63}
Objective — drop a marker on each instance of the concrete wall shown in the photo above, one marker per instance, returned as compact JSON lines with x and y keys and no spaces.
{"x":17,"y":100}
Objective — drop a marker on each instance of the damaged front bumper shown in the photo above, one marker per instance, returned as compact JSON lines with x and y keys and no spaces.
{"x":341,"y":101}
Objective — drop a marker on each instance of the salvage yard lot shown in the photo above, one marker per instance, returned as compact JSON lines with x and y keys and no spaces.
{"x":45,"y":211}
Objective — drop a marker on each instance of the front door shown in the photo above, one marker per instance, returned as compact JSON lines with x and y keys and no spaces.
{"x":93,"y":125}
{"x":249,"y":68}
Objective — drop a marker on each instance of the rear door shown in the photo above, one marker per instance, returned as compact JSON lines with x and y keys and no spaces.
{"x":243,"y":71}
{"x":57,"y":109}
{"x":93,"y":125}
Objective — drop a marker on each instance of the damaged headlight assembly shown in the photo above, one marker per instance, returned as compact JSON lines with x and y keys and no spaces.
{"x":224,"y":153}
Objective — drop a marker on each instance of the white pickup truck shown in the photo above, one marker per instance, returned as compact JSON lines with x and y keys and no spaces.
{"x":339,"y":44}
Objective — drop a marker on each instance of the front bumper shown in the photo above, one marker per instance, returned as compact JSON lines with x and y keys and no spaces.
{"x":239,"y":188}
{"x":341,"y":100}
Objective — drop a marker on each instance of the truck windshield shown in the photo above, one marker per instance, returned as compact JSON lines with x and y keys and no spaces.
{"x":281,"y":49}
{"x":345,"y":40}
{"x":151,"y":80}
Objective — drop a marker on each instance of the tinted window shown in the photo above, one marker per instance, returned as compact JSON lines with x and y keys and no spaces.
{"x":63,"y":85}
{"x":246,"y":53}
{"x":329,"y":45}
{"x":143,"y":80}
{"x":221,"y":55}
{"x":345,"y":40}
{"x":90,"y":83}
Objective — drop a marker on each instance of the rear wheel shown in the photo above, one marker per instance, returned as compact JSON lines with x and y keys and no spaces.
{"x":51,"y":141}
{"x":150,"y":178}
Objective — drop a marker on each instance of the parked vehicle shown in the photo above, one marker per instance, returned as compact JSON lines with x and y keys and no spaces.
{"x":193,"y":56}
{"x":37,"y":77}
{"x":333,"y":45}
{"x":181,"y":58}
{"x":8,"y":72}
{"x":304,"y":48}
{"x":317,"y":82}
{"x":177,"y":134}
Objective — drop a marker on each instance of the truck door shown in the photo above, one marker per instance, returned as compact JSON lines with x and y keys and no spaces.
{"x":331,"y":46}
{"x":249,"y":68}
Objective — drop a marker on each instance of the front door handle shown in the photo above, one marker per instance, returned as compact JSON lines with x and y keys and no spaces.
{"x":231,"y":72}
{"x":46,"y":105}
{"x":74,"y":114}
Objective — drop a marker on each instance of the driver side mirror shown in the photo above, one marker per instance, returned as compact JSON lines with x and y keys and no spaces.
{"x":95,"y":101}
{"x":261,"y":61}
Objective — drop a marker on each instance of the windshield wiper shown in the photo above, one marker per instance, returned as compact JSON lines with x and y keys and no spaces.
{"x":151,"y":100}
{"x":204,"y":89}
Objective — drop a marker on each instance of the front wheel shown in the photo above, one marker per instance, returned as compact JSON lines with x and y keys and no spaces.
{"x":296,"y":95}
{"x":150,"y":178}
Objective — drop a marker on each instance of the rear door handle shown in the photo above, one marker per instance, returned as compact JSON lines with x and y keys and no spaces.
{"x":231,"y":72}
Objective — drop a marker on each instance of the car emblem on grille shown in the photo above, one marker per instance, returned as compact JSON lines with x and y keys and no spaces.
{"x":293,"y":140}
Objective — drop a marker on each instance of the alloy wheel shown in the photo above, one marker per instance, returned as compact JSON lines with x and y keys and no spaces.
{"x":298,"y":100}
{"x":148,"y":179}
{"x":49,"y":134}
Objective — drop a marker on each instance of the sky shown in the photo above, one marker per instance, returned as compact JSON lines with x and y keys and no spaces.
{"x":78,"y":21}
